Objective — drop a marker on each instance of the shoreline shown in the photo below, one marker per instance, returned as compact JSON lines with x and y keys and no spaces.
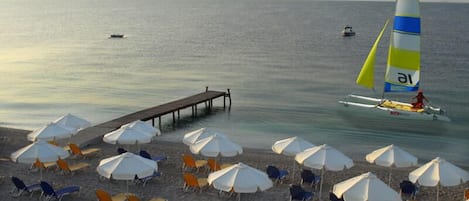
{"x":169,"y":185}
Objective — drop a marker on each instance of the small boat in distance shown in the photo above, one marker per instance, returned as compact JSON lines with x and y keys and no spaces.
{"x":116,"y":36}
{"x":348,"y":31}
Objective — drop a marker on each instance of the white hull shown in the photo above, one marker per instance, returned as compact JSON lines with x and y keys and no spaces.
{"x":372,"y":106}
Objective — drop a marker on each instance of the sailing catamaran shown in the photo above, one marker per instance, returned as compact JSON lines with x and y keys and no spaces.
{"x":402,"y":72}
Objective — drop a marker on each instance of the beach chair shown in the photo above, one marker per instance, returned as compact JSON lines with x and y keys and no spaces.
{"x":276,"y":174}
{"x":147,"y":155}
{"x":85,"y":152}
{"x":190,"y":162}
{"x":63,"y":165}
{"x":408,"y":188}
{"x":102,"y":195}
{"x":135,"y":198}
{"x":40,"y":165}
{"x":121,"y":150}
{"x":307,"y":176}
{"x":298,"y":193}
{"x":21,"y":187}
{"x":466,"y":194}
{"x":144,"y":180}
{"x":213,"y":165}
{"x":192,"y":182}
{"x":49,"y":193}
{"x":333,"y":197}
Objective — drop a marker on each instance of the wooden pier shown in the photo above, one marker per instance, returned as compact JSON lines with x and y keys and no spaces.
{"x":94,"y":134}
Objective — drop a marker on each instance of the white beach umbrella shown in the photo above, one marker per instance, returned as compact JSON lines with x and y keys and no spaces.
{"x":194,"y":136}
{"x":439,"y":172}
{"x":365,"y":187}
{"x":39,"y":150}
{"x":240,"y":178}
{"x":291,"y":147}
{"x":143,"y":127}
{"x":129,"y":136}
{"x":126,"y":166}
{"x":391,"y":156}
{"x":216,"y":145}
{"x":72,"y":121}
{"x":51,"y":131}
{"x":323,"y":157}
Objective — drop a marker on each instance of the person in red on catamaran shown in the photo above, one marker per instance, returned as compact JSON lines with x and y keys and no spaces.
{"x":418,"y":104}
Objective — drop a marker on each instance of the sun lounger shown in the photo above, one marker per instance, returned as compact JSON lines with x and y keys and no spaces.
{"x":21,"y":187}
{"x":307,"y":176}
{"x":190,"y":162}
{"x":276,"y":174}
{"x":63,"y":165}
{"x":145,"y":154}
{"x":144,"y":180}
{"x":85,"y":152}
{"x":192,"y":182}
{"x":135,"y":198}
{"x":49,"y":192}
{"x":40,"y":165}
{"x":105,"y":196}
{"x":298,"y":193}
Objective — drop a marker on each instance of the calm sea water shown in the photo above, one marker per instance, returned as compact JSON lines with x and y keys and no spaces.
{"x":285,"y":62}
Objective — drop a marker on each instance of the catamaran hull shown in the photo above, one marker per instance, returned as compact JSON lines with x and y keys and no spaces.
{"x":370,"y":105}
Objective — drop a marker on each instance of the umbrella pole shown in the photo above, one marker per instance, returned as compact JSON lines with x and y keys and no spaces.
{"x":390,"y":169}
{"x":293,"y":170}
{"x":322,"y":180}
{"x":438,"y":191}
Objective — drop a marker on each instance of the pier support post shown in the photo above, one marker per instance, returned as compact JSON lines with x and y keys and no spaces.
{"x":174,"y":119}
{"x":159,"y":122}
{"x":178,"y":115}
{"x":153,"y":122}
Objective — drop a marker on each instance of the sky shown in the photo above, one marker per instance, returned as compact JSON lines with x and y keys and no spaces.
{"x":446,"y":1}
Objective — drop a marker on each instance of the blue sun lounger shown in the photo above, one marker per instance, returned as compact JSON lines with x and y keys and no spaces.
{"x":49,"y":192}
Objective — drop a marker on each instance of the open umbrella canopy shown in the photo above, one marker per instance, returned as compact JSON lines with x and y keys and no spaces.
{"x":72,"y":121}
{"x":143,"y":127}
{"x":366,"y":187}
{"x":126,"y":166}
{"x":127,"y":135}
{"x":324,"y":157}
{"x":391,"y":156}
{"x":216,"y":145}
{"x":194,"y":136}
{"x":438,"y":172}
{"x":240,"y":178}
{"x":51,"y":131}
{"x":39,"y":150}
{"x":291,"y":146}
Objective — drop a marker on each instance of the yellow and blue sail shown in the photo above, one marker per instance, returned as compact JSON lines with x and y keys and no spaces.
{"x":403,"y":68}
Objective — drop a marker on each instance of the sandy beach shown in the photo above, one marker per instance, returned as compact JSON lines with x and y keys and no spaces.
{"x":169,"y":185}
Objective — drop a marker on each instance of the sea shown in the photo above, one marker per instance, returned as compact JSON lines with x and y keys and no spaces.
{"x":285,"y":62}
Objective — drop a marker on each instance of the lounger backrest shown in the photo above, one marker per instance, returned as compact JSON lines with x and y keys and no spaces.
{"x":188,"y":160}
{"x":145,"y":154}
{"x":63,"y":165}
{"x":213,"y":165}
{"x":407,"y":187}
{"x":296,"y":192}
{"x":75,"y":149}
{"x":191,"y":180}
{"x":18,"y":183}
{"x":466,"y":194}
{"x":121,"y":150}
{"x":272,"y":171}
{"x":47,"y":189}
{"x":307,"y":176}
{"x":103,"y":195}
